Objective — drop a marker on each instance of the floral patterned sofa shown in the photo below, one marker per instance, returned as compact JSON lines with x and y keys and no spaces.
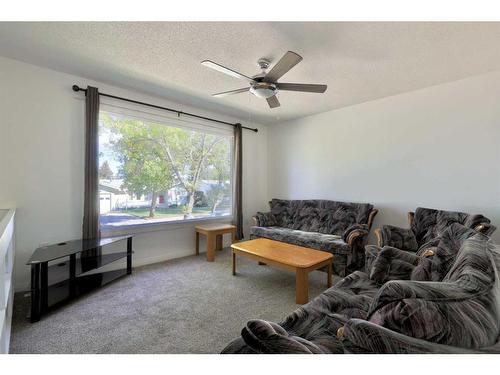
{"x":337,"y":227}
{"x":426,"y":227}
{"x":445,"y":302}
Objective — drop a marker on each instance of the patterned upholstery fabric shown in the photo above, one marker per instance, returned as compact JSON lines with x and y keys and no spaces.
{"x":399,"y":238}
{"x":323,"y":216}
{"x":318,"y":224}
{"x":359,"y":228}
{"x":383,"y":340}
{"x":429,"y":223}
{"x":266,"y":219}
{"x":460,"y":313}
{"x":462,"y":310}
{"x":394,"y":264}
{"x":327,"y":242}
{"x":316,"y":322}
{"x":427,"y":227}
{"x":270,"y":337}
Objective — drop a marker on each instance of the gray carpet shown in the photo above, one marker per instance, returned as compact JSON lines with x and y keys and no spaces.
{"x":186,"y":305}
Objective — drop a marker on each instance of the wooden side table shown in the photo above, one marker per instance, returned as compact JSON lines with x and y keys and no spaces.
{"x":214,"y":233}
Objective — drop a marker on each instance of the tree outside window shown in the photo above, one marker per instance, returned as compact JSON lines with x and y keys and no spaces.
{"x":191,"y":169}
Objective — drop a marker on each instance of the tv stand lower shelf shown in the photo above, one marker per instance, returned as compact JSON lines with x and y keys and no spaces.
{"x":72,"y":275}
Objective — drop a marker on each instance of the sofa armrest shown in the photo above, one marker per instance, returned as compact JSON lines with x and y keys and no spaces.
{"x":485,"y":228}
{"x":411,"y":218}
{"x":355,"y":232}
{"x":270,"y":338}
{"x":378,"y":235}
{"x":361,"y":336}
{"x":393,"y":264}
{"x":397,"y":237}
{"x":371,"y":253}
{"x":371,"y":217}
{"x":238,"y":346}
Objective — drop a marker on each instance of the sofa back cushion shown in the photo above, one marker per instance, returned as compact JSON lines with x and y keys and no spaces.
{"x":429,"y":223}
{"x":323,"y":216}
{"x":463,"y":310}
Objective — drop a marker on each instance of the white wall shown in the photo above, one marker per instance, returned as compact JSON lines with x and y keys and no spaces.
{"x":435,"y":147}
{"x":41,"y":164}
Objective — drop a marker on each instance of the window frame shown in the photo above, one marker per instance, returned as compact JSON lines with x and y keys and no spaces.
{"x":132,"y":111}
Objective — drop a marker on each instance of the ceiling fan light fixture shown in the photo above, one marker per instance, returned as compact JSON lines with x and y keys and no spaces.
{"x":264,"y":90}
{"x":265,"y":85}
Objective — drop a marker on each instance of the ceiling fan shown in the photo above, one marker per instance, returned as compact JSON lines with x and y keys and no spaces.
{"x":265,"y":85}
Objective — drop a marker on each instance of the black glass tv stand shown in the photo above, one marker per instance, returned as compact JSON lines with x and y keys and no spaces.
{"x":70,"y":275}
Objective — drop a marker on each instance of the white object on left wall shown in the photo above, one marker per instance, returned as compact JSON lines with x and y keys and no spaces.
{"x":6,"y":281}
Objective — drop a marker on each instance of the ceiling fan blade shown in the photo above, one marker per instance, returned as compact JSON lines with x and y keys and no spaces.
{"x":305,"y":87}
{"x":273,"y":101}
{"x":223,"y":69}
{"x":230,"y":92}
{"x":287,"y":62}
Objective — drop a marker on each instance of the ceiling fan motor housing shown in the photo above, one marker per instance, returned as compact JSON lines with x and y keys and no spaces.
{"x":263,"y":90}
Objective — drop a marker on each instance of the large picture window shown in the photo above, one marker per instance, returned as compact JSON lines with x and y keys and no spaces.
{"x":153,"y":171}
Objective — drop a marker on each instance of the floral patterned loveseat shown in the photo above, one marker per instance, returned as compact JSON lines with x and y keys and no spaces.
{"x":337,"y":227}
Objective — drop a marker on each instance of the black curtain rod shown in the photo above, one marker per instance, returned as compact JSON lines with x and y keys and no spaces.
{"x":76,"y":88}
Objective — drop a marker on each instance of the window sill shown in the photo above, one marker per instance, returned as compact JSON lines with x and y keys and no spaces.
{"x":161,"y":226}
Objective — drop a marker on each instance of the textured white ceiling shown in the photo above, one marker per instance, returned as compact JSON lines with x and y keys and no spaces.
{"x":359,"y":61}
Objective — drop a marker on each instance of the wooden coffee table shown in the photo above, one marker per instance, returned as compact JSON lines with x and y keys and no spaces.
{"x":298,"y":259}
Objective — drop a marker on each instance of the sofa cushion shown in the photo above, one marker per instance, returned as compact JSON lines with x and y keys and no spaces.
{"x":429,"y":223}
{"x":400,"y":238}
{"x":326,"y":242}
{"x":266,"y":219}
{"x":462,"y":310}
{"x":323,"y":216}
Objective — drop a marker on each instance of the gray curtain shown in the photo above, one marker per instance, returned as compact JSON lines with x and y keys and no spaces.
{"x":237,"y":196}
{"x":91,"y":195}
